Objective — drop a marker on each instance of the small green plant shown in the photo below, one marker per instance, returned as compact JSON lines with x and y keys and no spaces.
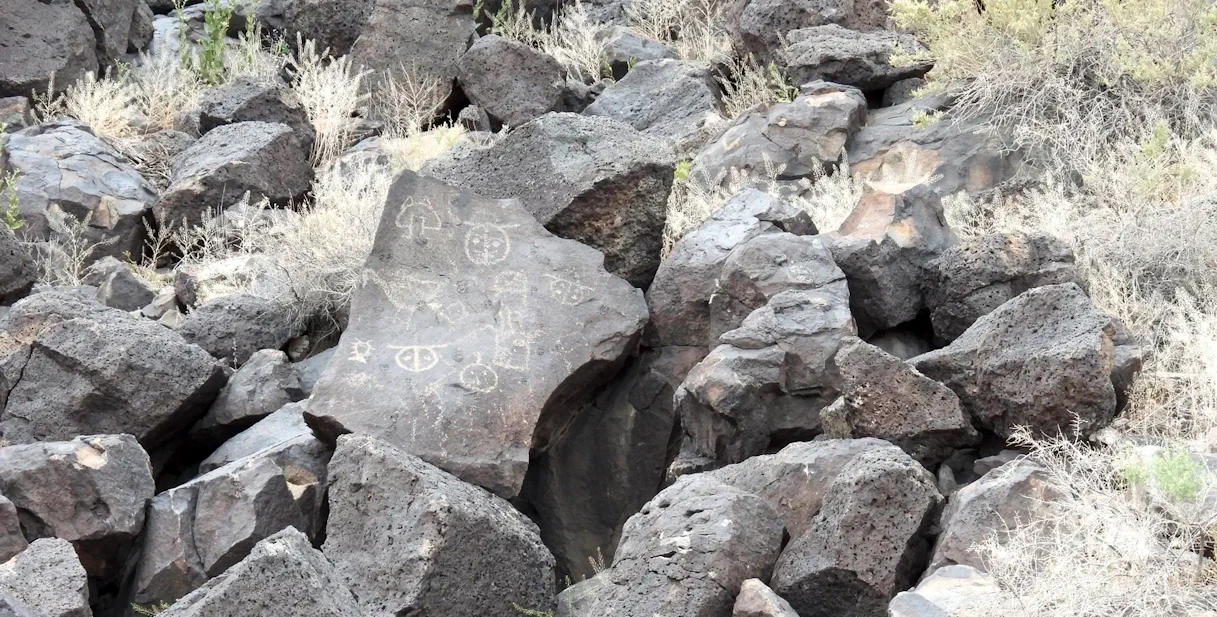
{"x":151,"y":609}
{"x":8,"y":194}
{"x":781,"y":88}
{"x":1174,"y":474}
{"x":923,"y":119}
{"x":211,"y":48}
{"x":530,"y":612}
{"x":683,"y":170}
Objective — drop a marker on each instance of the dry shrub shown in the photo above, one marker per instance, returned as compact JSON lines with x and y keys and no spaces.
{"x":163,"y":89}
{"x":695,"y":29}
{"x":330,"y":90}
{"x":406,"y":100}
{"x":570,"y":37}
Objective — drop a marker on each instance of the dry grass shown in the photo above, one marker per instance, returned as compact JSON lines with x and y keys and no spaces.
{"x":695,"y":29}
{"x":570,"y":37}
{"x":407,"y":101}
{"x":330,"y":91}
{"x":162,"y":89}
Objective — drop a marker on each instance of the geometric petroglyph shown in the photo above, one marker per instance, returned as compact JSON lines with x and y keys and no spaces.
{"x":360,"y":350}
{"x":416,"y":358}
{"x":417,"y":218}
{"x":479,"y":377}
{"x":567,"y":291}
{"x":487,"y":244}
{"x":512,"y":348}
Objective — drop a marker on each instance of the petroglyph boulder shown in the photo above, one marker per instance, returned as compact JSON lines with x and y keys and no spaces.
{"x":473,"y":331}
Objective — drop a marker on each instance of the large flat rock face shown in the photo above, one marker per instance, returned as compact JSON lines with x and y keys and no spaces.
{"x":473,"y":333}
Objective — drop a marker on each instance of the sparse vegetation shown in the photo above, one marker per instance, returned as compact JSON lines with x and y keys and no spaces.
{"x":10,"y":213}
{"x":331,"y":91}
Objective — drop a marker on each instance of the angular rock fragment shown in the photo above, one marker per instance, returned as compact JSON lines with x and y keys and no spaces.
{"x":91,"y":369}
{"x":840,"y":55}
{"x":595,"y":180}
{"x":246,"y":99}
{"x":198,"y":530}
{"x":426,"y":37}
{"x":48,"y":579}
{"x":686,"y":553}
{"x":232,"y":328}
{"x":760,"y":27}
{"x":283,"y":576}
{"x":679,"y":297}
{"x":512,"y":81}
{"x":17,"y":271}
{"x":90,"y":491}
{"x":866,"y":544}
{"x":285,"y":424}
{"x":886,"y":398}
{"x":951,"y":590}
{"x":12,"y":539}
{"x":673,"y":99}
{"x":885,"y":247}
{"x":265,"y":159}
{"x":460,"y":346}
{"x":756,"y":599}
{"x":333,"y":24}
{"x":799,"y":139}
{"x":40,"y":39}
{"x":264,"y":384}
{"x":408,"y":538}
{"x":623,"y":47}
{"x":1047,"y":359}
{"x":974,"y":278}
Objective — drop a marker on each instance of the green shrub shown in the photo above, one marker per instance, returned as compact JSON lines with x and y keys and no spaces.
{"x":9,"y":211}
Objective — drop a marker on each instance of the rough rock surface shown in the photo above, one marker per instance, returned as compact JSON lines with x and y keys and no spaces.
{"x":12,"y":539}
{"x":408,"y":538}
{"x":47,"y":578}
{"x":1047,"y":359}
{"x":759,"y":27}
{"x":756,"y":599}
{"x":952,"y":590}
{"x":41,"y":38}
{"x":866,"y":544}
{"x":795,"y":479}
{"x":512,"y":81}
{"x":608,"y":463}
{"x":90,"y":491}
{"x":334,"y":24}
{"x":63,"y":169}
{"x":686,"y":553}
{"x":264,"y":159}
{"x":585,"y":178}
{"x":679,"y":297}
{"x":840,"y":55}
{"x":886,"y":398}
{"x":16,"y":113}
{"x":283,"y":576}
{"x":198,"y":530}
{"x":765,"y":386}
{"x":797,"y":139}
{"x":974,"y":278}
{"x":672,"y":99}
{"x":249,"y":99}
{"x":233,"y":328}
{"x":1011,"y":495}
{"x":17,"y":270}
{"x":265,"y":383}
{"x":91,"y":369}
{"x":623,"y":47}
{"x":885,"y":248}
{"x":427,"y":36}
{"x":460,"y":343}
{"x":281,"y":426}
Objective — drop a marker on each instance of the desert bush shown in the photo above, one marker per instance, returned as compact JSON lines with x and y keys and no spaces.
{"x":406,"y":100}
{"x":66,"y":255}
{"x":569,"y":37}
{"x":746,"y":84}
{"x":695,"y":29}
{"x":330,"y":90}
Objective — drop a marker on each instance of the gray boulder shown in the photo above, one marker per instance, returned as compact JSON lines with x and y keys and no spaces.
{"x":428,"y":37}
{"x":200,"y":529}
{"x":91,"y":369}
{"x":759,"y":27}
{"x":679,"y":297}
{"x":595,"y":180}
{"x":798,"y":139}
{"x":232,"y":328}
{"x":119,"y":287}
{"x":886,"y":398}
{"x":47,"y":578}
{"x":951,"y":590}
{"x":90,"y":491}
{"x":686,"y":553}
{"x":607,"y":465}
{"x":408,"y":538}
{"x":111,"y":22}
{"x":673,"y":99}
{"x":1016,"y":494}
{"x":512,"y":81}
{"x":249,"y":99}
{"x":765,"y":385}
{"x":756,"y":599}
{"x":1047,"y":359}
{"x":283,"y":576}
{"x":17,"y":270}
{"x":41,"y":38}
{"x":624,"y":48}
{"x":65,"y":170}
{"x":141,"y":31}
{"x":867,"y":543}
{"x":333,"y":24}
{"x":12,"y":607}
{"x":974,"y":278}
{"x":795,"y":480}
{"x":281,"y":426}
{"x":310,"y":369}
{"x":12,"y":539}
{"x":265,"y":159}
{"x":885,"y":248}
{"x":463,"y":353}
{"x":844,"y":56}
{"x":264,"y":384}
{"x":16,"y":113}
